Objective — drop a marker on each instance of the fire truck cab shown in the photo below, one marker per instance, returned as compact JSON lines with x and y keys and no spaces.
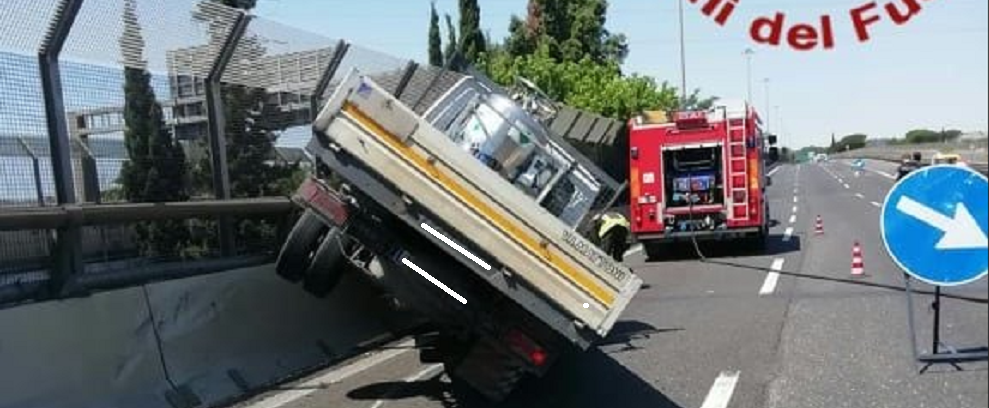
{"x":698,"y":175}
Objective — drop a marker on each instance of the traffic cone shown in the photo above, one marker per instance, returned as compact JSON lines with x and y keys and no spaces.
{"x":818,"y":226}
{"x":858,"y":266}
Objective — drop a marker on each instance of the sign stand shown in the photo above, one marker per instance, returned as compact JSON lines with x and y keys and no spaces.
{"x":950,"y":355}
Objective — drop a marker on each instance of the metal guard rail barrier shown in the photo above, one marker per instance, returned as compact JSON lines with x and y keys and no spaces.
{"x":32,"y":218}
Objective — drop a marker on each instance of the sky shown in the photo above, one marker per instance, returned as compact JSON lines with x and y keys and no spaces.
{"x":930,"y":72}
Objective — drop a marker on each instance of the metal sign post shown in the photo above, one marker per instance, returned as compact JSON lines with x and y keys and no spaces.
{"x":933,"y":226}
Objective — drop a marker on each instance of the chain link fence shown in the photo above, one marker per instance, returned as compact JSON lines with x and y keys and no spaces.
{"x":107,"y":102}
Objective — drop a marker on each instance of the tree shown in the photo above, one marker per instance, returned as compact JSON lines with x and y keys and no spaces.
{"x":451,"y":39}
{"x":695,"y":102}
{"x":251,"y":124}
{"x":472,"y":42}
{"x":435,"y":42}
{"x":156,"y":169}
{"x":930,"y":136}
{"x":585,"y":84}
{"x":850,"y":142}
{"x":569,"y":29}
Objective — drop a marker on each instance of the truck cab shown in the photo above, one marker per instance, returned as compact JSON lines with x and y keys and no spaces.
{"x":697,"y":175}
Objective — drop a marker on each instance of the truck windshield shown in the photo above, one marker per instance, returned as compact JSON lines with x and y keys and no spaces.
{"x":512,"y":149}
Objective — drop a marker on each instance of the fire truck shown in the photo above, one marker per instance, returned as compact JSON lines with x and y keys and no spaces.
{"x":698,"y":175}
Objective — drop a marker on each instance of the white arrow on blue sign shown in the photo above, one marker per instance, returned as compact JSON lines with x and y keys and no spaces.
{"x":934,"y":224}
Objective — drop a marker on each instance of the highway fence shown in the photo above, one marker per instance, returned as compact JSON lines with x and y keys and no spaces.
{"x":111,"y":107}
{"x":973,"y":152}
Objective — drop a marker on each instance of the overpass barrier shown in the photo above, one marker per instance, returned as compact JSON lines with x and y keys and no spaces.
{"x":199,"y":341}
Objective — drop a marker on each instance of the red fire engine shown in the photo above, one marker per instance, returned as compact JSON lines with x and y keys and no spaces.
{"x":698,"y":175}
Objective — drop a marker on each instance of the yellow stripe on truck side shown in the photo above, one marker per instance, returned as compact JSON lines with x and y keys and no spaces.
{"x":603,"y":295}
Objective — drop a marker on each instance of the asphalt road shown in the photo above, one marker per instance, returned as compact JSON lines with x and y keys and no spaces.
{"x":787,"y":328}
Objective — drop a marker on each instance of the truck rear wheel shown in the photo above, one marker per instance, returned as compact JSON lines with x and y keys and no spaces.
{"x":295,"y":255}
{"x":326,"y":267}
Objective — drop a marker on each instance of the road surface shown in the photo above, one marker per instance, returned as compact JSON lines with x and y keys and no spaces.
{"x":789,"y":328}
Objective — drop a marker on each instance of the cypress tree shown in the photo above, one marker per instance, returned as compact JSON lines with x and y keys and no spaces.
{"x":435,"y":42}
{"x":156,"y":169}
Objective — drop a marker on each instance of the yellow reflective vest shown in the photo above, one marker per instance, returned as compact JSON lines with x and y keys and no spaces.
{"x":609,"y":221}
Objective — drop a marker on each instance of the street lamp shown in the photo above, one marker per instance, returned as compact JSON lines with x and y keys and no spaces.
{"x":748,"y":72}
{"x":769,"y":124}
{"x":683,"y":61}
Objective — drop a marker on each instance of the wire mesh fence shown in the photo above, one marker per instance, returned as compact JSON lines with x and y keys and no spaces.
{"x":170,"y":101}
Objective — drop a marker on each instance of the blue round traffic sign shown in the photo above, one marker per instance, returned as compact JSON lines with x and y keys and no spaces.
{"x":934,"y":224}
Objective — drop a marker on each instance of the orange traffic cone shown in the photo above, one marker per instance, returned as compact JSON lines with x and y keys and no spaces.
{"x":819,"y":226}
{"x":858,"y":265}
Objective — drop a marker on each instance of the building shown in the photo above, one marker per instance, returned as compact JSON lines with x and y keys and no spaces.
{"x":288,"y":80}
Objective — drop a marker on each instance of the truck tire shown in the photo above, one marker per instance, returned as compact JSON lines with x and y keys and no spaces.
{"x":327,"y":266}
{"x":303,"y":240}
{"x":654,"y":251}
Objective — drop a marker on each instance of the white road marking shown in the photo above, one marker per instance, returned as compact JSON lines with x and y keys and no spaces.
{"x":425,"y":372}
{"x":793,"y":218}
{"x":773,"y":171}
{"x":722,"y":390}
{"x":319,"y":383}
{"x":772,"y":278}
{"x":887,"y":175}
{"x":434,"y":281}
{"x":796,"y":199}
{"x":860,"y":195}
{"x":788,"y":234}
{"x":847,"y":187}
{"x":634,"y":250}
{"x":454,"y":245}
{"x":795,"y":208}
{"x":875,"y":204}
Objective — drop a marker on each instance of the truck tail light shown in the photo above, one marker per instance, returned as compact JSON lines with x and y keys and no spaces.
{"x":526,"y":347}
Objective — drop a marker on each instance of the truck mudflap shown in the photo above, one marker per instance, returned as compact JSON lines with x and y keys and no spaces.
{"x":431,"y":171}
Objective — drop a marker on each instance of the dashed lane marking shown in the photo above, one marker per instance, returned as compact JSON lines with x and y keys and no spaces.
{"x":772,"y":278}
{"x":722,"y":390}
{"x":320,"y":383}
{"x":876,"y":204}
{"x":634,"y":250}
{"x":429,"y":371}
{"x":793,"y":218}
{"x":860,"y":195}
{"x":788,"y":234}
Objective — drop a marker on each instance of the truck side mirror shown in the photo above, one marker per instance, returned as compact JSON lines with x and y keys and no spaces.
{"x":771,"y":139}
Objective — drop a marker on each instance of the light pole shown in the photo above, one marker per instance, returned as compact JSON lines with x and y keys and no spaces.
{"x":683,"y":61}
{"x":769,"y":124}
{"x":748,"y":73}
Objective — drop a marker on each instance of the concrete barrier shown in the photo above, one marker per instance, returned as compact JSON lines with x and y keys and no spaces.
{"x":214,"y":338}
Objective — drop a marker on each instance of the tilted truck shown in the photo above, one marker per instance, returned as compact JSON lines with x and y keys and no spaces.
{"x":466,"y":215}
{"x":698,"y":175}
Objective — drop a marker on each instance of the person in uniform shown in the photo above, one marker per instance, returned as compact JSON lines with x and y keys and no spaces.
{"x":611,"y":231}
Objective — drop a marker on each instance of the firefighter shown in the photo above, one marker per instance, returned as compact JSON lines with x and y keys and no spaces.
{"x":611,"y":233}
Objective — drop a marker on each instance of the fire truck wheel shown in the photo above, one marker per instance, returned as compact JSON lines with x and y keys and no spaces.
{"x":302,"y":241}
{"x":760,"y":241}
{"x":326,"y":267}
{"x":654,"y":252}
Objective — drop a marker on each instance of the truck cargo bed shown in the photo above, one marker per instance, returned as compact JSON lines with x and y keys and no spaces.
{"x":428,"y":182}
